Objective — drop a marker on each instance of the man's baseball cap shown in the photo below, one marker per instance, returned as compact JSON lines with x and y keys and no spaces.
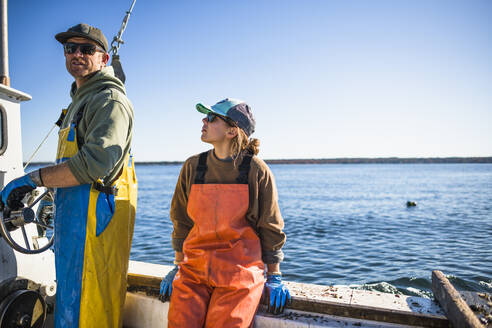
{"x":236,"y":110}
{"x":84,"y":31}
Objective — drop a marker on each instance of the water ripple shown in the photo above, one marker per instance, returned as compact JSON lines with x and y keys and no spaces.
{"x":349,"y":224}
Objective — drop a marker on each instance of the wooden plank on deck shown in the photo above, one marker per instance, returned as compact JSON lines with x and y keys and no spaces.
{"x":458,"y":312}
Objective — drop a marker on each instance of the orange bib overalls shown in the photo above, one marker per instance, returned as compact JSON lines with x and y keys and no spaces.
{"x":220,"y":281}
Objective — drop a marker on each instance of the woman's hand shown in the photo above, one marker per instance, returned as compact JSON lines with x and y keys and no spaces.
{"x":167,"y":285}
{"x":277,"y":293}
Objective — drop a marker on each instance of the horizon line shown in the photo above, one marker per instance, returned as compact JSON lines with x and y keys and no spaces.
{"x":345,"y":160}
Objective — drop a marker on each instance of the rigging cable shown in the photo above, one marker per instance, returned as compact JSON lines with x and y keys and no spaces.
{"x":117,"y":41}
{"x":115,"y":46}
{"x":37,"y":149}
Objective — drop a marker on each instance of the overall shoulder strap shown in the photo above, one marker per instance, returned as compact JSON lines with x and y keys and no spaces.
{"x":244,"y":169}
{"x":76,"y":120}
{"x":61,"y":118}
{"x":201,"y":168}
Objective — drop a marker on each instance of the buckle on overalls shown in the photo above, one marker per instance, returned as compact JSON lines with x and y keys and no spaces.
{"x":108,"y":190}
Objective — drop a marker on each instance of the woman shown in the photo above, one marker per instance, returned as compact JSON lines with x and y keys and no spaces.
{"x":227,"y":225}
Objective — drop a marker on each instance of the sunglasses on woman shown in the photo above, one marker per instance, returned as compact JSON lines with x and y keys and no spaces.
{"x":211,"y":117}
{"x":85,"y":48}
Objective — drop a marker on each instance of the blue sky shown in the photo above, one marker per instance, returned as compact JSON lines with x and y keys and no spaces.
{"x":324,"y":78}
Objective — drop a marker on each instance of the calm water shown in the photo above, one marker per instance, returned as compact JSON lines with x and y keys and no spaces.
{"x":349,"y":224}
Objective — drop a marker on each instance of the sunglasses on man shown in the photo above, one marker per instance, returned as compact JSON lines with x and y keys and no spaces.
{"x":211,"y":117}
{"x":85,"y":48}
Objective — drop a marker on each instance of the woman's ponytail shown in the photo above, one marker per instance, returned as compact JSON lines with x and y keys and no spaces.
{"x":242,"y":144}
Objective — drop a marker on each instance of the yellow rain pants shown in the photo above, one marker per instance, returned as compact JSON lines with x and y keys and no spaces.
{"x":93,"y":234}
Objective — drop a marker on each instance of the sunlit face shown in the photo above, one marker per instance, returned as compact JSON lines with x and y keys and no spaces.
{"x":80,"y":65}
{"x":216,"y":132}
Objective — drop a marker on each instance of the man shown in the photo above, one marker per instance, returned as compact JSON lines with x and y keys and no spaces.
{"x":95,"y":199}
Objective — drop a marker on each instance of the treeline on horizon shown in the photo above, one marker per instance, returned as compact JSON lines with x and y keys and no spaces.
{"x":385,"y":160}
{"x":382,"y":160}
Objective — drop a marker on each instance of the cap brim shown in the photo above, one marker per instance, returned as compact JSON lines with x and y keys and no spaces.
{"x":203,"y":109}
{"x":64,"y":36}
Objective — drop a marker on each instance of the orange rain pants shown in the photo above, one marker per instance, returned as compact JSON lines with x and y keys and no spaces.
{"x":220,"y":281}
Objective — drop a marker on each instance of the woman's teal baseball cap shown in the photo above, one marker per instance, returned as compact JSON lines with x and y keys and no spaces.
{"x":236,"y":110}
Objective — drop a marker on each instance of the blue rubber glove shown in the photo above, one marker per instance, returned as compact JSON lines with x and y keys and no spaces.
{"x":277,"y":294}
{"x":15,"y":190}
{"x":167,"y":285}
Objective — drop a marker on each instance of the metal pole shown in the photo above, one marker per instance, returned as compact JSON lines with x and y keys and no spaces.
{"x":4,"y":49}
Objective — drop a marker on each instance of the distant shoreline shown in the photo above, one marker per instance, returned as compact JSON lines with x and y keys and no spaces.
{"x":385,"y":160}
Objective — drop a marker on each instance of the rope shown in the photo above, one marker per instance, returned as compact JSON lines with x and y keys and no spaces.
{"x":37,"y":149}
{"x":117,"y":41}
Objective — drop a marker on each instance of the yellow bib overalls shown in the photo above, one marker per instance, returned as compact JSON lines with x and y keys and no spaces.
{"x":93,"y":234}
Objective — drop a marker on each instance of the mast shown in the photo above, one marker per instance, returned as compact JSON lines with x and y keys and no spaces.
{"x":4,"y":51}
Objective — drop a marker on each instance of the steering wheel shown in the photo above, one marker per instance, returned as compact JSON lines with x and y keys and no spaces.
{"x":11,"y":220}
